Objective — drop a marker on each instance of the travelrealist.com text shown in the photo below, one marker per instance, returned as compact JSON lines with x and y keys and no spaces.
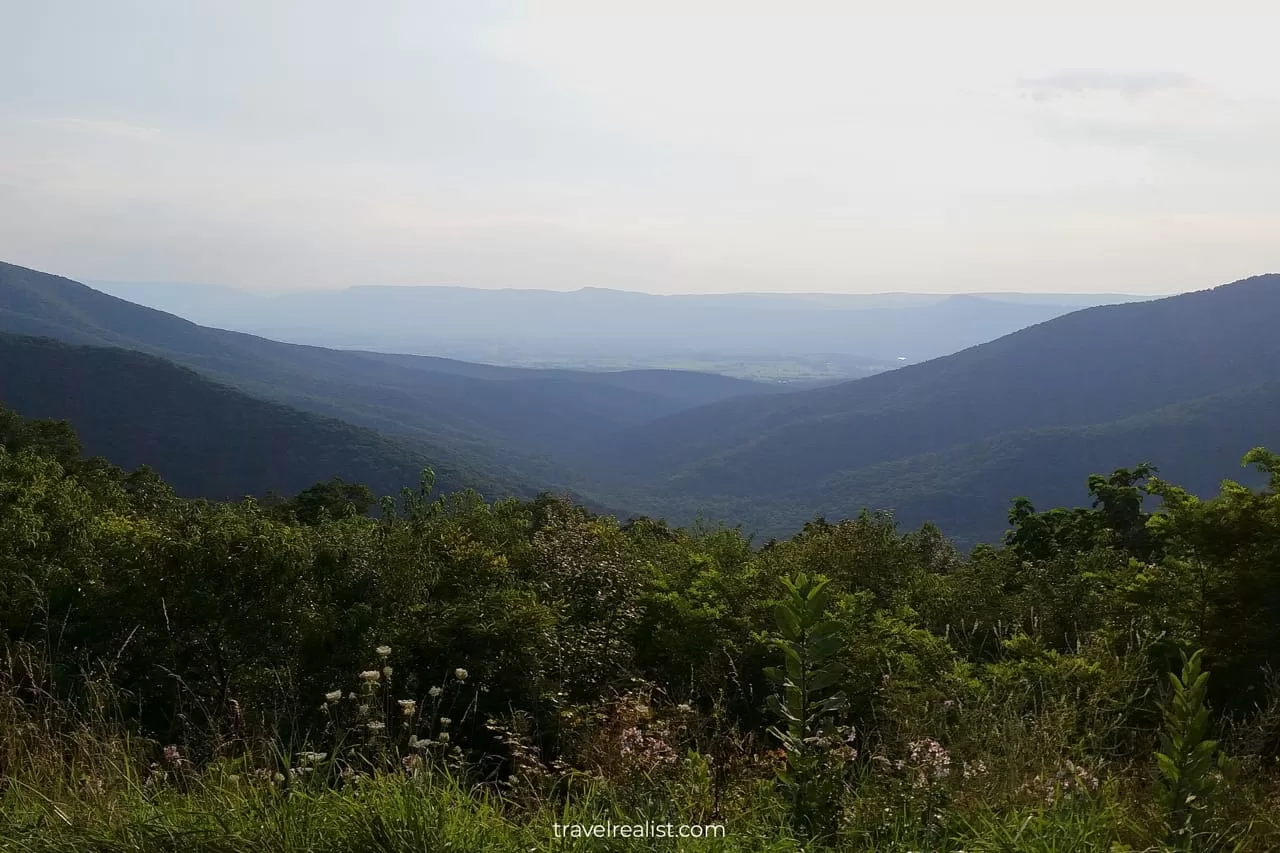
{"x":648,"y":829}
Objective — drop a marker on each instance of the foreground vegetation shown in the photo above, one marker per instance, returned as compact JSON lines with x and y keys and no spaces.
{"x":332,"y":672}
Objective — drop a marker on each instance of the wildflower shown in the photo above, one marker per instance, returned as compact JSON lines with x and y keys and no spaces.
{"x":444,"y":722}
{"x":684,"y":708}
{"x":383,"y":651}
{"x":333,"y":696}
{"x":369,"y":675}
{"x":171,"y":755}
{"x":313,"y":757}
{"x":386,"y":672}
{"x":460,"y":674}
{"x":278,"y":778}
{"x":408,"y":706}
{"x":930,"y":760}
{"x":351,"y":695}
{"x":444,"y":737}
{"x":375,"y":726}
{"x":435,"y":692}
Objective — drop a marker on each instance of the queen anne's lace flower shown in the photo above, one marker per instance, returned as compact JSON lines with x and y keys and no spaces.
{"x":435,"y":692}
{"x":370,"y":675}
{"x":460,"y":674}
{"x":383,"y":651}
{"x":333,"y":696}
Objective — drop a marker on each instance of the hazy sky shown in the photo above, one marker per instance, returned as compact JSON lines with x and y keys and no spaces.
{"x":662,"y":146}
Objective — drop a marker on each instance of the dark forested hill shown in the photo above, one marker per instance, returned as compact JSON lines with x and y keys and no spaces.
{"x":967,"y":489}
{"x":1092,"y":366}
{"x":513,"y":424}
{"x":1182,"y":382}
{"x":206,"y":439}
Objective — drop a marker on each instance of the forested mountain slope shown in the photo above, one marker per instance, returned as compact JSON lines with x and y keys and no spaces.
{"x":1090,"y":367}
{"x":968,"y":489}
{"x":206,"y":439}
{"x":507,"y":421}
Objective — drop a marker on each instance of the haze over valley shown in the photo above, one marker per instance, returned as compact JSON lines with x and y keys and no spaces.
{"x":786,"y":337}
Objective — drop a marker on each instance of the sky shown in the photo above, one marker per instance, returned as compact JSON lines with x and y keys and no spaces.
{"x":668,"y":147}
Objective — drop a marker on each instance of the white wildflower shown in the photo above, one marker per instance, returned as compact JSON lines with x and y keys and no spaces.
{"x":333,"y":696}
{"x":375,"y":726}
{"x":435,"y":692}
{"x":408,"y":707}
{"x":383,"y":651}
{"x":460,"y":674}
{"x":369,"y":675}
{"x":444,"y":722}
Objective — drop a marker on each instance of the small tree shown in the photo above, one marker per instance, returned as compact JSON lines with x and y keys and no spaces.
{"x":1187,"y":756}
{"x":807,"y":701}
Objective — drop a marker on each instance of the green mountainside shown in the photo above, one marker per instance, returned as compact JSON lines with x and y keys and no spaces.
{"x":508,"y":424}
{"x":206,"y":439}
{"x":1069,"y":387}
{"x":968,"y":489}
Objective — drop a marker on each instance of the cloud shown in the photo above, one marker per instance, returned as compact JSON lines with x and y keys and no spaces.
{"x":1130,"y":83}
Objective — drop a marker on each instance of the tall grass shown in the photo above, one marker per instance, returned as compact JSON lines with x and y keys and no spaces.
{"x":991,"y":775}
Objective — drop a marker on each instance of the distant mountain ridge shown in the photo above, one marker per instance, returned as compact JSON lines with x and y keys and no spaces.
{"x":594,"y":320}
